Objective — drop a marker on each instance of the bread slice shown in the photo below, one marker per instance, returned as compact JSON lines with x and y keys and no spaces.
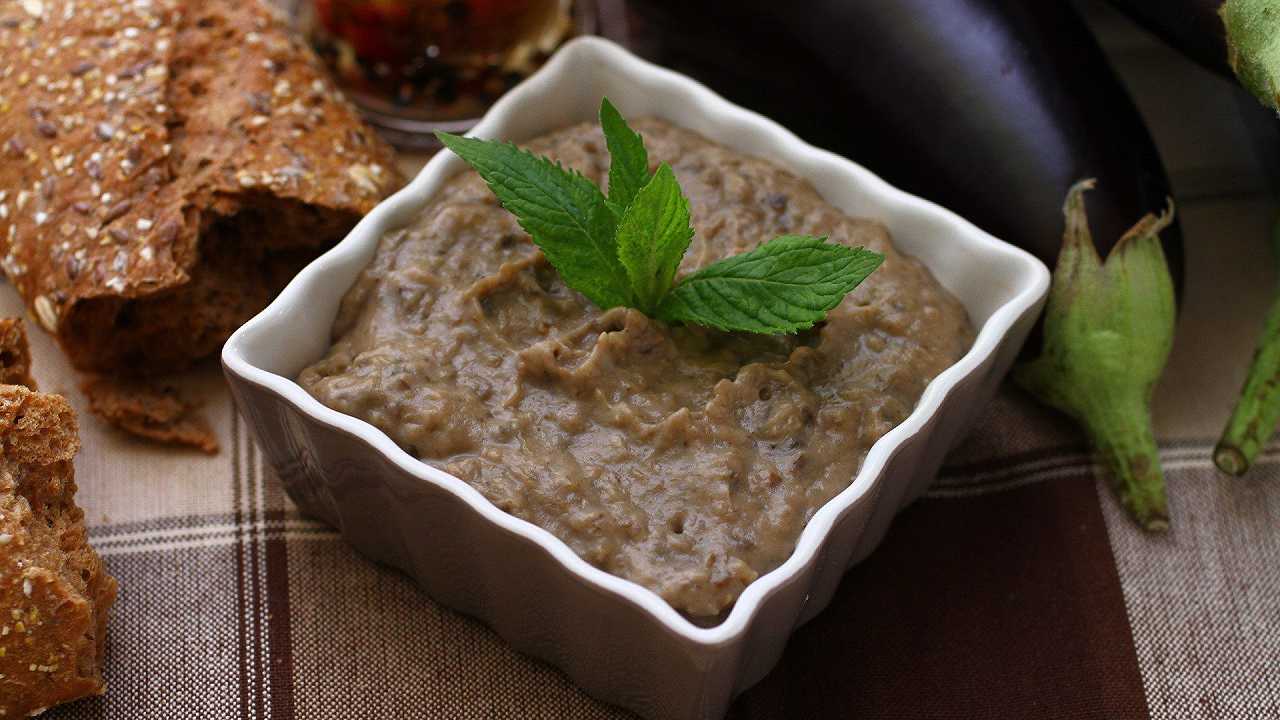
{"x":165,"y":168}
{"x":54,"y":592}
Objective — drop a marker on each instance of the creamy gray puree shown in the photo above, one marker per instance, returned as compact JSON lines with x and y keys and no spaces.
{"x":684,"y":459}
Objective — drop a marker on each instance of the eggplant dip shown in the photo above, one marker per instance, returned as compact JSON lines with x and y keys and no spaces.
{"x":685,"y":459}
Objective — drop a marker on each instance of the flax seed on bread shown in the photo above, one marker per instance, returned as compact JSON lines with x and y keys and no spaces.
{"x":165,"y":168}
{"x":54,"y":592}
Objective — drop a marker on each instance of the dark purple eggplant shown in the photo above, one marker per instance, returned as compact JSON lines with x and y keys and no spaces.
{"x":992,"y":108}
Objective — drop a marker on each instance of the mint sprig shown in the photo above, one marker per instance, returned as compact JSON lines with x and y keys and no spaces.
{"x":625,"y":249}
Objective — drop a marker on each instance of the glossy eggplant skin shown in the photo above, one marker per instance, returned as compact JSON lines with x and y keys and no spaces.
{"x":992,"y":108}
{"x":1193,"y":27}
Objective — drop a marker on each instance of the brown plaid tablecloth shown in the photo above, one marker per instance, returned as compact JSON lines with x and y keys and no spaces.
{"x":1016,"y":589}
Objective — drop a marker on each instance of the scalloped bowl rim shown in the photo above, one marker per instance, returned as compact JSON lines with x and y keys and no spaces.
{"x":391,"y":212}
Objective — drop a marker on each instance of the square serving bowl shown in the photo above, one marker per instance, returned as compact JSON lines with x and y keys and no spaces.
{"x":617,"y":640}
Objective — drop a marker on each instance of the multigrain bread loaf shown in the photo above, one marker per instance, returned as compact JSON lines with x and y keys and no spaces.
{"x":54,"y":592}
{"x":165,"y":167}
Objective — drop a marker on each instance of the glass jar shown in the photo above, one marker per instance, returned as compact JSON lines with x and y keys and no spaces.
{"x":416,"y":66}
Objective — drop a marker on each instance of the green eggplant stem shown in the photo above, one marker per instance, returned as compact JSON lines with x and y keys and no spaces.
{"x":1108,"y":330}
{"x":1126,"y":443}
{"x":1257,"y":413}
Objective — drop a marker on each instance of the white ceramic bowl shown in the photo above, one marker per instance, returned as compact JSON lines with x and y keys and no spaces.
{"x":617,"y":640}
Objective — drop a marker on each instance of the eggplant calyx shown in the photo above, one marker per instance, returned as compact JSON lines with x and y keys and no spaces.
{"x":1254,"y":418}
{"x":1253,"y":46}
{"x":1108,"y":330}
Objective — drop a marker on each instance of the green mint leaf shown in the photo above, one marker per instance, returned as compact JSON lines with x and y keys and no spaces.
{"x":653,"y":234}
{"x":785,"y":285}
{"x":626,"y":249}
{"x":628,"y":160}
{"x":564,"y":213}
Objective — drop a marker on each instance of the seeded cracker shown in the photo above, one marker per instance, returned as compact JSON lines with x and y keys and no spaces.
{"x":54,"y":592}
{"x":150,"y":410}
{"x":165,"y":167}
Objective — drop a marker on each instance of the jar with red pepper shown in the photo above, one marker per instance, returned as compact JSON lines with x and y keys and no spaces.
{"x":415,"y":66}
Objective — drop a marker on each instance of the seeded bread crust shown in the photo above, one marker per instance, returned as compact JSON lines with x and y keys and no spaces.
{"x":54,"y":592}
{"x":165,"y":168}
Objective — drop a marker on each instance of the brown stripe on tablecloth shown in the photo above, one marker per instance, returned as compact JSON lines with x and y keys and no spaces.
{"x":258,"y":639}
{"x":190,"y":521}
{"x":1014,"y":609}
{"x":957,"y":470}
{"x":242,"y":621}
{"x":965,"y":470}
{"x":1185,"y":456}
{"x":279,"y":621}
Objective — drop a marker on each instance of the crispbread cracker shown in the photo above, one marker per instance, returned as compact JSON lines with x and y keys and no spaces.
{"x":165,"y":167}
